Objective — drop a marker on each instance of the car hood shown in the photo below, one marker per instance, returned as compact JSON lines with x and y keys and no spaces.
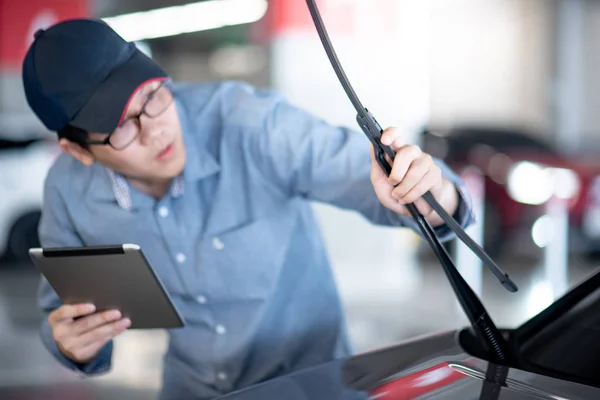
{"x":427,"y":367}
{"x":437,"y":367}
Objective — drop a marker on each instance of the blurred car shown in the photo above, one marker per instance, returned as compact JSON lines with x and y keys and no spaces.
{"x":23,"y":169}
{"x":555,"y":357}
{"x":522,"y":173}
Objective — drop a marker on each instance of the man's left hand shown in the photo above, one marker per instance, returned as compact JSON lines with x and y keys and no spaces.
{"x":413,"y":174}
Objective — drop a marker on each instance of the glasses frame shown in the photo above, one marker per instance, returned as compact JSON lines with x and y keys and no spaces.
{"x":164,"y":84}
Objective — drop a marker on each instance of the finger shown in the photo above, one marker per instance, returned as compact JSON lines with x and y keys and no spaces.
{"x":86,"y":353}
{"x":398,"y":143}
{"x":405,"y":156}
{"x":388,"y":159}
{"x":412,"y":177}
{"x":397,"y":207}
{"x":392,"y":138}
{"x":423,"y":207}
{"x":107,"y":330}
{"x":65,"y":330}
{"x":390,"y":135}
{"x":68,"y":312}
{"x":431,"y":179}
{"x":377,"y":173}
{"x":402,"y":210}
{"x":92,"y":322}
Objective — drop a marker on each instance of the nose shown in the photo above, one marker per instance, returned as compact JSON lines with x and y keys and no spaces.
{"x":149,"y":130}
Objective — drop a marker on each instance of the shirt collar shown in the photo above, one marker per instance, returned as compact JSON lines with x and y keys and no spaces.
{"x":200,"y":162}
{"x":122,"y":191}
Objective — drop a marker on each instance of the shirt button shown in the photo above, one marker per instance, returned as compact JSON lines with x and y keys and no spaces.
{"x":180,"y":258}
{"x":201,"y":299}
{"x":163,"y":211}
{"x":220,"y":329}
{"x":222,"y":376}
{"x":218,"y":244}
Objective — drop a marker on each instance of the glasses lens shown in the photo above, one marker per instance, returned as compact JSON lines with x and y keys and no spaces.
{"x":159,"y":102}
{"x":156,"y":104}
{"x":124,"y":134}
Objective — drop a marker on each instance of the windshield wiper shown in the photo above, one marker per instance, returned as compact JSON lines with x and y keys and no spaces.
{"x":488,"y":334}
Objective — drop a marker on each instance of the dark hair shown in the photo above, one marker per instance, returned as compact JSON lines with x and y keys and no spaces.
{"x":74,"y":134}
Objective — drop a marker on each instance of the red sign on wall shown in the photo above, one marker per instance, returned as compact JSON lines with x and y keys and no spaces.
{"x":19,"y":20}
{"x":293,"y":15}
{"x":341,"y":17}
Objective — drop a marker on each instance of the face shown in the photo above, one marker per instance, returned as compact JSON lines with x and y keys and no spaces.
{"x":157,"y":153}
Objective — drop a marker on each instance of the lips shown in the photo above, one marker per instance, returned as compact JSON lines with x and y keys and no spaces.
{"x":166,"y":152}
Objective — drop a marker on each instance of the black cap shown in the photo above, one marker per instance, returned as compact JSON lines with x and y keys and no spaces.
{"x":80,"y":72}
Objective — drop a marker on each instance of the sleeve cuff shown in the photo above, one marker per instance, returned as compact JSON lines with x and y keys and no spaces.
{"x":463,"y":215}
{"x":99,"y":365}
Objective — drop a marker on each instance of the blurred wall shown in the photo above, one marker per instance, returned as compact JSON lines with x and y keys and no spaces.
{"x":590,"y":115}
{"x":383,"y":46}
{"x":491,"y":62}
{"x":218,"y":64}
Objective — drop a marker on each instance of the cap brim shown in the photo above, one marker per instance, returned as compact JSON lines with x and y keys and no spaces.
{"x":103,"y":111}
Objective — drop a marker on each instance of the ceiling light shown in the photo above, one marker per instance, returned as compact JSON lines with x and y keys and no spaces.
{"x":194,"y":17}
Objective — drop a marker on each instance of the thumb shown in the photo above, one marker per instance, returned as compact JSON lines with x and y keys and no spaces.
{"x":377,"y":174}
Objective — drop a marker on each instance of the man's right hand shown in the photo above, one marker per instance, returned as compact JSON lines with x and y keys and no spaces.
{"x":81,"y":333}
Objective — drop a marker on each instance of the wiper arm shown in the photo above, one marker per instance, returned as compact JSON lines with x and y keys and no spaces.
{"x":495,"y":380}
{"x":486,"y":330}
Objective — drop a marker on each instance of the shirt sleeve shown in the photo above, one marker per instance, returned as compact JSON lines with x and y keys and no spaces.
{"x":310,"y":158}
{"x":56,"y":230}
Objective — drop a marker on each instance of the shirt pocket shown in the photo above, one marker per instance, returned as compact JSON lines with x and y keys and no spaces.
{"x":244,"y":263}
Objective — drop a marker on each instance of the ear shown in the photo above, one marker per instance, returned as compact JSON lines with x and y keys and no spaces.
{"x":76,"y":151}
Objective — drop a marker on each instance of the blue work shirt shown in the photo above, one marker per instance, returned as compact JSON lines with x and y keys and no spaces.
{"x":234,"y":240}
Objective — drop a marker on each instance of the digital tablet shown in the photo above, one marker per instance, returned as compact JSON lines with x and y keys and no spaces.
{"x":110,"y":277}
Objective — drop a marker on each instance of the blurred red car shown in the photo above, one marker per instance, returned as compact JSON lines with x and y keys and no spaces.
{"x":521,"y":173}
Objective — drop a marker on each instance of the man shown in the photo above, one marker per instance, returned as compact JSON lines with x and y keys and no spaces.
{"x":214,"y":182}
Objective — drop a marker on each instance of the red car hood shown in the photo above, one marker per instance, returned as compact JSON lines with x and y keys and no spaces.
{"x":561,"y":342}
{"x":447,"y":372}
{"x":432,"y":367}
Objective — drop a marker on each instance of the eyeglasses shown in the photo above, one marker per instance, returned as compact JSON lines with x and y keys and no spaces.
{"x":156,"y":103}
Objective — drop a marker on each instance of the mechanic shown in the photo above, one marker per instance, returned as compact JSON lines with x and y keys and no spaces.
{"x":214,"y":182}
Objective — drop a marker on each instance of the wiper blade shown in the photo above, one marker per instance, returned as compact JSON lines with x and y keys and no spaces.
{"x":373,"y":131}
{"x":488,"y":333}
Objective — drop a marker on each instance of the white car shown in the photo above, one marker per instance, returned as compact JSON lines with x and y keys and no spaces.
{"x":23,"y":169}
